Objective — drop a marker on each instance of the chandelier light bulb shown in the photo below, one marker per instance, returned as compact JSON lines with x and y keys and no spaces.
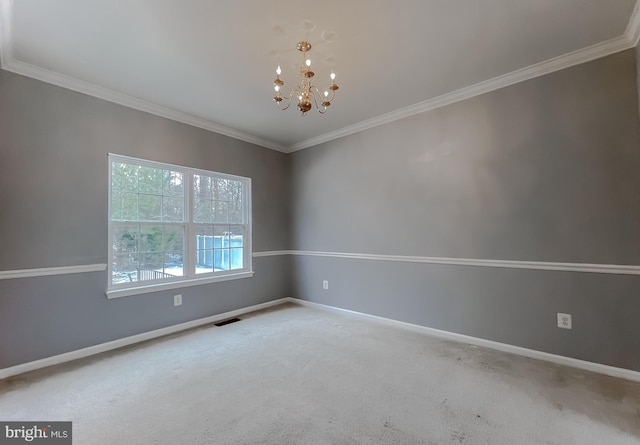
{"x":333,"y":75}
{"x":326,"y":93}
{"x":277,"y":88}
{"x":278,"y":70}
{"x":308,"y":62}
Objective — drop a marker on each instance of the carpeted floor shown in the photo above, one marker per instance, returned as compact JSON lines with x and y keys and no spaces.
{"x":295,"y":375}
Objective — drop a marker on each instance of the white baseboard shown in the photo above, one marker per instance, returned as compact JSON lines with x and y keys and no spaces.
{"x":104,"y":347}
{"x":612,"y":371}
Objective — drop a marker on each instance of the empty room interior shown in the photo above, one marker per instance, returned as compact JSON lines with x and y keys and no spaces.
{"x":298,"y":222}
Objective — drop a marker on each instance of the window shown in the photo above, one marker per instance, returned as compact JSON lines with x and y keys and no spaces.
{"x":172,"y":226}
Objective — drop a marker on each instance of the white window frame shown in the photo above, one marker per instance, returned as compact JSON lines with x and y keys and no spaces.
{"x":190,"y":277}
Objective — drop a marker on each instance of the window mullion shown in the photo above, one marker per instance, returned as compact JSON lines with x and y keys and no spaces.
{"x":190,"y":260}
{"x":248,"y":237}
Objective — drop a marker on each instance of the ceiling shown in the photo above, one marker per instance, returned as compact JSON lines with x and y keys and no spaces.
{"x":211,"y":63}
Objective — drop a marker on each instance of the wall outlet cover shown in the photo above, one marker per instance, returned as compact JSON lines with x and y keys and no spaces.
{"x":177,"y":300}
{"x":564,"y":321}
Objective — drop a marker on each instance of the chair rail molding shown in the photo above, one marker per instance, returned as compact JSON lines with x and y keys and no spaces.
{"x":619,"y":269}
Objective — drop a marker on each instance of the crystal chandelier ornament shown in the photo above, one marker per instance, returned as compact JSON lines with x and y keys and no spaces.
{"x":306,"y":94}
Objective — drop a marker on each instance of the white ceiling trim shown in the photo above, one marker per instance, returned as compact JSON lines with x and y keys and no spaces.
{"x":133,"y":102}
{"x":8,"y":63}
{"x":628,"y":40}
{"x":107,"y":94}
{"x":548,"y":66}
{"x":633,"y":27}
{"x":6,"y":13}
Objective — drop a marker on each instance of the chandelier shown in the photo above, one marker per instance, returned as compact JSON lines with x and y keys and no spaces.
{"x":305,"y":92}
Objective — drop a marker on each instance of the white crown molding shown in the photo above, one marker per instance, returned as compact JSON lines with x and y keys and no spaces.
{"x":612,"y":371}
{"x":533,"y":265}
{"x":539,"y":69}
{"x":9,"y":63}
{"x":632,"y":33}
{"x":6,"y":46}
{"x":104,"y":347}
{"x":109,"y":95}
{"x":628,"y":40}
{"x":46,"y":271}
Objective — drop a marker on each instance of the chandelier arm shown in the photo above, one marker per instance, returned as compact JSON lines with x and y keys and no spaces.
{"x":333,"y":94}
{"x":288,"y":99}
{"x":314,"y":95}
{"x":317,"y":94}
{"x":288,"y":104}
{"x":322,"y":109}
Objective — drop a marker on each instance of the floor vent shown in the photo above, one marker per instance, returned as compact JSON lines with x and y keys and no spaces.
{"x":231,"y":320}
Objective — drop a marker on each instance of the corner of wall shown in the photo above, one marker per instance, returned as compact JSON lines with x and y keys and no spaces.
{"x":638,"y":76}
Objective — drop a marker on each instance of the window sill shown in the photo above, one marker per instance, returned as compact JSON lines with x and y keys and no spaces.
{"x":128,"y":291}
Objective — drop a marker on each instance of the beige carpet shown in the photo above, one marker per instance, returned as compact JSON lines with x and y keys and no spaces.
{"x":294,"y":375}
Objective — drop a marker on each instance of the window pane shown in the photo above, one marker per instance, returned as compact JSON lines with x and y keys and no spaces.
{"x":173,"y":238}
{"x":124,"y":238}
{"x":221,"y":259}
{"x":172,"y":209}
{"x":234,"y":190}
{"x":235,"y":260}
{"x":204,"y":254}
{"x":204,"y":261}
{"x":204,"y":230}
{"x":174,"y":263}
{"x":220,"y":211}
{"x":150,"y":180}
{"x":236,"y":213}
{"x":173,"y":183}
{"x":236,"y":236}
{"x":220,"y":189}
{"x":124,"y":206}
{"x":149,"y":208}
{"x":151,"y":265}
{"x":221,"y":236}
{"x":205,"y":242}
{"x":124,"y":268}
{"x":150,"y":238}
{"x":201,"y":210}
{"x":202,"y":187}
{"x":124,"y":177}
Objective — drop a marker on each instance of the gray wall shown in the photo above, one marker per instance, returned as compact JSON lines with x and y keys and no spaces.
{"x":53,"y":194}
{"x":545,"y":170}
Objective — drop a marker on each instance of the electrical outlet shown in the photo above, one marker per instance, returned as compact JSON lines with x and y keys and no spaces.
{"x":177,"y":300}
{"x":564,"y":321}
{"x":325,"y":284}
